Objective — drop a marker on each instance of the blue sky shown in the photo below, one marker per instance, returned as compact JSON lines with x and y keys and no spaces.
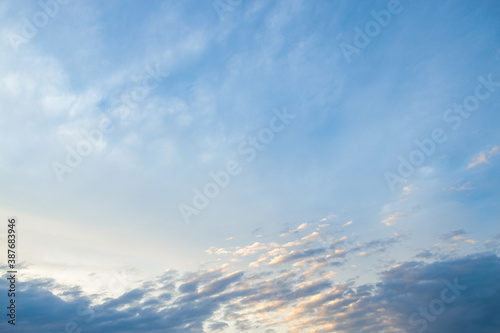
{"x":115,"y":114}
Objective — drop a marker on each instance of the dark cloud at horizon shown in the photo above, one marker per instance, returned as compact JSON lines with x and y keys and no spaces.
{"x":460,"y":295}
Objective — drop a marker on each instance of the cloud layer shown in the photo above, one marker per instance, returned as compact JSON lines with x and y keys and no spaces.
{"x":293,"y":290}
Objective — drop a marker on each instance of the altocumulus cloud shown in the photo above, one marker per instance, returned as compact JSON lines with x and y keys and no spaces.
{"x":292,"y":296}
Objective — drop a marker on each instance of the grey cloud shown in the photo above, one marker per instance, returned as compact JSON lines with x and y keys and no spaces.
{"x":449,"y":235}
{"x":387,"y":306}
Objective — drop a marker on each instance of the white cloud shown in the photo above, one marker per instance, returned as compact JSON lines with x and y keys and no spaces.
{"x":483,"y":157}
{"x":347,"y":223}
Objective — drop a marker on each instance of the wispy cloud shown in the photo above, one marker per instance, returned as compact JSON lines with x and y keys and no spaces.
{"x":461,"y":186}
{"x":457,"y":237}
{"x":484,"y":157}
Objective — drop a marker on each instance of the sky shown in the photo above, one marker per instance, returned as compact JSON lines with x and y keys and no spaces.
{"x":258,"y":166}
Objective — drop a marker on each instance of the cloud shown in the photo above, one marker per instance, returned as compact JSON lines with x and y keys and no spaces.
{"x":294,"y":231}
{"x":461,"y":186}
{"x":248,"y":250}
{"x":294,"y":255}
{"x":221,"y":284}
{"x":347,"y":223}
{"x":299,"y":279}
{"x":247,"y":300}
{"x":453,"y":234}
{"x":484,"y":157}
{"x":411,"y":286}
{"x":392,"y":218}
{"x":456,"y":237}
{"x":217,"y":326}
{"x":331,"y":216}
{"x":425,"y":254}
